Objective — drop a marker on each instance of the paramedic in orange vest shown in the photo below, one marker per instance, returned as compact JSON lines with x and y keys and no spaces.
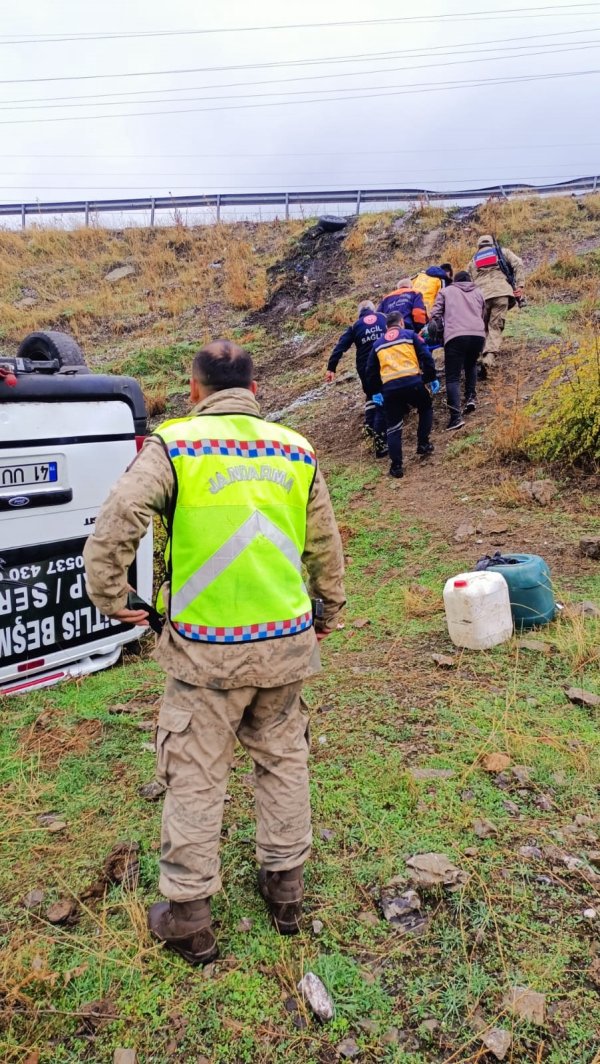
{"x":402,"y":375}
{"x":407,"y":302}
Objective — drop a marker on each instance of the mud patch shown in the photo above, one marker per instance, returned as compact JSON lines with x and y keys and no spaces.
{"x":317,"y":266}
{"x":50,"y":741}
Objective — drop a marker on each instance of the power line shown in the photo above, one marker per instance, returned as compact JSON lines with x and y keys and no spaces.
{"x":304,"y":154}
{"x":441,"y":48}
{"x":492,"y":14}
{"x":414,"y":88}
{"x":40,"y":103}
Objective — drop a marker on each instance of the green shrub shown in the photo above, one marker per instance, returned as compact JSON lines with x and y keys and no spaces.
{"x":568,"y":406}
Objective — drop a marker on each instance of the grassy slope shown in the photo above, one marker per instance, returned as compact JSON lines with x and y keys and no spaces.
{"x":380,"y":706}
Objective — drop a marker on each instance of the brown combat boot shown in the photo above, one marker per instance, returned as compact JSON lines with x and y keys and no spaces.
{"x":283,"y":893}
{"x":186,"y":928}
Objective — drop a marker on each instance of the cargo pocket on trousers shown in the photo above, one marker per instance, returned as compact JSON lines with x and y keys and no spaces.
{"x":171,"y":721}
{"x":305,"y":713}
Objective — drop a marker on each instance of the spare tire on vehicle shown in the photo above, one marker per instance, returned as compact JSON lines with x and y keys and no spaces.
{"x":331,"y":223}
{"x":46,"y":346}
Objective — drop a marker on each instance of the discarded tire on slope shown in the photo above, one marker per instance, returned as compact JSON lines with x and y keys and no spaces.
{"x":330,"y":223}
{"x":46,"y":346}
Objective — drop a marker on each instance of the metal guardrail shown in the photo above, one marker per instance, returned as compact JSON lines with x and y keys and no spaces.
{"x":217,"y":201}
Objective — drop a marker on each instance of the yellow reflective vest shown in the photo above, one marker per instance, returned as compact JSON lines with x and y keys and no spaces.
{"x":237,"y":529}
{"x":428,"y":287}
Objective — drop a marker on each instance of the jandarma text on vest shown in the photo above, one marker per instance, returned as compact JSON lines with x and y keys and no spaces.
{"x":237,"y":473}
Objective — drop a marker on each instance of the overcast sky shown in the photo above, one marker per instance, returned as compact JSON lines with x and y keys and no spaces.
{"x":342,"y":120}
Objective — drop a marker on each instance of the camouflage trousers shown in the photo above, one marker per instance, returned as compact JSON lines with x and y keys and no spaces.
{"x":496,"y":310}
{"x":196,"y":737}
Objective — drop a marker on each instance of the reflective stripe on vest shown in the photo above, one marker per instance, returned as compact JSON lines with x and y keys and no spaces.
{"x":237,"y":533}
{"x":397,"y":359}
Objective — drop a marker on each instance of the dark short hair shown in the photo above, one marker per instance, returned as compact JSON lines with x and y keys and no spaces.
{"x":393,"y":318}
{"x":463,"y":275}
{"x":447,"y":268}
{"x":223,"y":364}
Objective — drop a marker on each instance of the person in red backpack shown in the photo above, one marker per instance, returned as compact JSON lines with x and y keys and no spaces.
{"x":500,"y":292}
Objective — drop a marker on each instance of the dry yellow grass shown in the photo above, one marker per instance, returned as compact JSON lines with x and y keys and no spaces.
{"x":177,"y":270}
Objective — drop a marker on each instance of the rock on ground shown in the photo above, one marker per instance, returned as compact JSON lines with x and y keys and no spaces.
{"x":579,"y":697}
{"x":119,"y":274}
{"x":527,"y":1004}
{"x":464,"y":532}
{"x":495,"y":762}
{"x":590,"y":547}
{"x":540,"y":491}
{"x":315,"y":994}
{"x":497,"y":1041}
{"x":125,"y":1056}
{"x":434,"y":870}
{"x":348,"y":1049}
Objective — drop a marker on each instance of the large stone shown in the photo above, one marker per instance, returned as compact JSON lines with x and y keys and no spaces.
{"x":464,"y":532}
{"x":495,"y":762}
{"x":497,"y":1041}
{"x":579,"y":697}
{"x":434,"y":870}
{"x":119,"y":274}
{"x":315,"y":994}
{"x":590,"y":547}
{"x":526,"y":1004}
{"x":540,"y":491}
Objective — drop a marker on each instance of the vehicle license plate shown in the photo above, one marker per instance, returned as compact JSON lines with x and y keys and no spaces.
{"x":28,"y":473}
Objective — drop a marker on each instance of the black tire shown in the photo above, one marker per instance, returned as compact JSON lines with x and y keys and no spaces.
{"x":45,"y":346}
{"x":330,"y":223}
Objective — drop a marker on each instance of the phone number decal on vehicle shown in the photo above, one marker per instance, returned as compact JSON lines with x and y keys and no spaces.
{"x":44,"y":606}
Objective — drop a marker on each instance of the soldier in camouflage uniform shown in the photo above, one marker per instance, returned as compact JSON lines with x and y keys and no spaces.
{"x":497,"y":291}
{"x":239,"y":682}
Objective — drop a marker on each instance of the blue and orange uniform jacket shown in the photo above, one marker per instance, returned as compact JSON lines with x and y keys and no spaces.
{"x":399,"y":359}
{"x":409,"y":303}
{"x":363,"y":333}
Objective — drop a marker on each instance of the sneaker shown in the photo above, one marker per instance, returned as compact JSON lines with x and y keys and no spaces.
{"x":425,"y":448}
{"x":456,"y":422}
{"x":470,"y":405}
{"x":396,"y":471}
{"x":482,"y":371}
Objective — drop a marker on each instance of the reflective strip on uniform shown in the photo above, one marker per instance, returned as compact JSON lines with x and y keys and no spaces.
{"x":245,"y":633}
{"x":257,"y":524}
{"x":241,"y":449}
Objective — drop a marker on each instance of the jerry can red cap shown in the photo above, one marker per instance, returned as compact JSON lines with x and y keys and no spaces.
{"x":461,"y":583}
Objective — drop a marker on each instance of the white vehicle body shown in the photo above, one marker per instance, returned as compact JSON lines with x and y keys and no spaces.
{"x":64,"y":440}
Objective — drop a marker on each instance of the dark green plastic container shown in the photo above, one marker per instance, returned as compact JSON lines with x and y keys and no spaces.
{"x":530,"y":590}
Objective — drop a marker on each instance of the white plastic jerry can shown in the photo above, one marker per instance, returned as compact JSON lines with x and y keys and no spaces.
{"x":478,"y":610}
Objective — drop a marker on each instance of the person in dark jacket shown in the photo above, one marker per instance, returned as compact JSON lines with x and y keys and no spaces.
{"x":368,"y":328}
{"x":406,"y":301}
{"x":399,"y":369}
{"x":460,"y":309}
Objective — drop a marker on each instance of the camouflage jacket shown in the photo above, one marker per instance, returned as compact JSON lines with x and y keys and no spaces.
{"x":145,"y":490}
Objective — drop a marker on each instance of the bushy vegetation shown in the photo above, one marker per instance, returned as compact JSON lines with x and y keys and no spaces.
{"x":567,"y":407}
